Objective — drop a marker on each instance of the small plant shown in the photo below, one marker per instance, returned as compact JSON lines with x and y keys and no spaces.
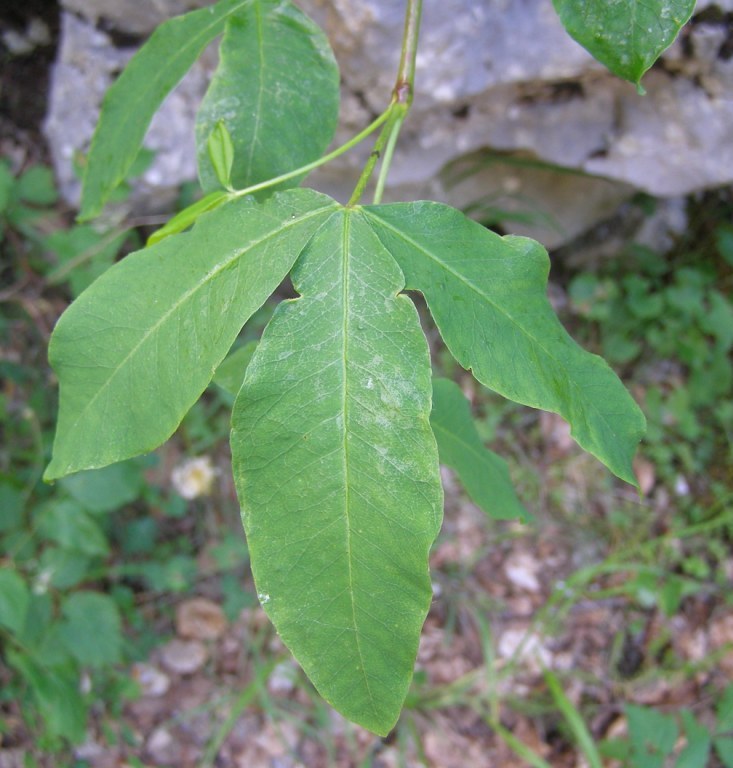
{"x":674,"y":313}
{"x":337,"y":427}
{"x":653,"y":738}
{"x":31,"y":227}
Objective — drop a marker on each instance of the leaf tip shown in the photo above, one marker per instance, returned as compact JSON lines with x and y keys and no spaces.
{"x":51,"y":474}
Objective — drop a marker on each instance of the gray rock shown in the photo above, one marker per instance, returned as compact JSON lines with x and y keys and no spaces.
{"x":87,"y":64}
{"x":492,"y":76}
{"x":134,"y":17}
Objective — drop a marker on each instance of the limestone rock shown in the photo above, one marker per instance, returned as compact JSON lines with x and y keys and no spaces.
{"x":492,"y":77}
{"x":137,"y":18}
{"x":87,"y":64}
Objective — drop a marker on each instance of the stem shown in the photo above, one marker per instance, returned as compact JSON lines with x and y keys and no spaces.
{"x":376,"y":153}
{"x":185,"y":218}
{"x":316,"y":163}
{"x":406,"y":73}
{"x":402,"y":94}
{"x":388,"y":152}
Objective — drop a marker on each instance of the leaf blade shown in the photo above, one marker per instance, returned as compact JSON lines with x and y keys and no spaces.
{"x":487,"y":296}
{"x":135,"y":96}
{"x":283,"y":114}
{"x":129,"y":371}
{"x":626,"y":36}
{"x":92,"y":629}
{"x":484,"y":475}
{"x":342,"y":499}
{"x":14,"y":600}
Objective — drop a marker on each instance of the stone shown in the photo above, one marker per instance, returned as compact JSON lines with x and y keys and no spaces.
{"x":163,"y":748}
{"x":283,"y":678}
{"x":152,"y":681}
{"x":522,"y":569}
{"x":200,"y":619}
{"x":183,"y":657}
{"x":526,"y":648}
{"x":87,"y":64}
{"x":501,"y":80}
{"x":135,"y":18}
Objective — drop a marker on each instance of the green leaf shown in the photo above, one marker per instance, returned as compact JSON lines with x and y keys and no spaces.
{"x":188,"y":216}
{"x":134,"y":352}
{"x":103,"y":490}
{"x":697,"y":750}
{"x":221,"y":153}
{"x":65,"y":568}
{"x":487,"y":295}
{"x":37,"y":186}
{"x":652,"y":734}
{"x":133,"y":99}
{"x":7,"y":184}
{"x":91,"y":629}
{"x":484,"y":474}
{"x":56,"y":694}
{"x":83,"y":254}
{"x":12,"y":504}
{"x":14,"y":599}
{"x":276,"y":90}
{"x":71,"y":527}
{"x":724,"y":710}
{"x":574,"y":719}
{"x":337,"y":472}
{"x":230,"y":373}
{"x":627,"y":36}
{"x":724,"y":748}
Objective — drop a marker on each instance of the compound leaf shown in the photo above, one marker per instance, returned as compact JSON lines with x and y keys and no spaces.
{"x":276,"y":90}
{"x":133,"y":99}
{"x":487,"y":295}
{"x":627,"y":36}
{"x":484,"y":475}
{"x":135,"y":351}
{"x":337,"y":472}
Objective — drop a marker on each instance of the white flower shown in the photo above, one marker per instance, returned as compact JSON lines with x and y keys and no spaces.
{"x":194,"y":477}
{"x":681,"y":486}
{"x":42,"y":581}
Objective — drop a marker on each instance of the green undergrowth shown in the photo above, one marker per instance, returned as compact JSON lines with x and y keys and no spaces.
{"x":107,"y":553}
{"x":667,"y":319}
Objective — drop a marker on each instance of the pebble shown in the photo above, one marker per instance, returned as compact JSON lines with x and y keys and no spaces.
{"x":184,"y":657}
{"x":152,"y":681}
{"x":200,"y":619}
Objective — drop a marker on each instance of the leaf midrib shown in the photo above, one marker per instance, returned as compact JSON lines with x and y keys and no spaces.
{"x":260,"y":90}
{"x":345,"y":287}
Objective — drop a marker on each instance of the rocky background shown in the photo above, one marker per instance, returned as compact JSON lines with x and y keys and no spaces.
{"x":503,"y":97}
